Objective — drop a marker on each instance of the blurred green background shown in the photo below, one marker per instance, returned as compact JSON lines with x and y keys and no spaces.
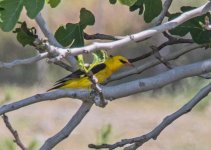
{"x":128,"y":117}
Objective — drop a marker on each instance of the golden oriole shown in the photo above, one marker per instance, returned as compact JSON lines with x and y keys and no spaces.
{"x":79,"y":79}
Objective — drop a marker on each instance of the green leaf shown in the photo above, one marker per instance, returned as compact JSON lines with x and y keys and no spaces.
{"x":98,"y":57}
{"x":193,"y":26}
{"x":25,"y":35}
{"x":71,"y":34}
{"x":112,"y":1}
{"x":128,"y":2}
{"x":33,"y":7}
{"x":86,"y":18}
{"x":10,"y":13}
{"x":53,"y":3}
{"x":152,"y":8}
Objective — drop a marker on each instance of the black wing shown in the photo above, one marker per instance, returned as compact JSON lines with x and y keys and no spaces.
{"x":74,"y":75}
{"x":77,"y":74}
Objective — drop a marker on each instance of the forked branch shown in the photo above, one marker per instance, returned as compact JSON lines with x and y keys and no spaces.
{"x":138,"y":141}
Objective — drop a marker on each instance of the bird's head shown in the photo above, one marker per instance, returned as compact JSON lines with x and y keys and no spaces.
{"x":117,"y":62}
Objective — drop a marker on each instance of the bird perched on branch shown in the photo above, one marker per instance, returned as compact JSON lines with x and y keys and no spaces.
{"x":102,"y":71}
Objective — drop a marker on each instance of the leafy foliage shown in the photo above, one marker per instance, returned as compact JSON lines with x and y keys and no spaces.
{"x":10,"y":11}
{"x":53,"y":3}
{"x":150,"y":8}
{"x":193,"y":26}
{"x":86,"y":18}
{"x":33,"y":7}
{"x":9,"y":14}
{"x":72,"y":34}
{"x":25,"y":35}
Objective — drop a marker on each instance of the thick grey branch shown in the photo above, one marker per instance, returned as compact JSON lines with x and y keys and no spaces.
{"x":23,"y":61}
{"x":138,"y":141}
{"x":142,"y":85}
{"x":54,"y":95}
{"x":121,"y":90}
{"x":71,"y":125}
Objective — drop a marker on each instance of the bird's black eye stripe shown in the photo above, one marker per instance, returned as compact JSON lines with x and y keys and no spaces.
{"x":123,"y":61}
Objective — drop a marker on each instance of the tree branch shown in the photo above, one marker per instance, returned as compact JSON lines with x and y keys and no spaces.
{"x":54,"y":95}
{"x":102,"y":37}
{"x":46,"y":31}
{"x":138,"y":36}
{"x":14,"y":132}
{"x":67,"y":130}
{"x":138,"y":141}
{"x":121,"y":90}
{"x":152,"y":63}
{"x":23,"y":61}
{"x":164,"y":11}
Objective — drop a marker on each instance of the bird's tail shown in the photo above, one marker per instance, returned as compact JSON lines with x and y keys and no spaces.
{"x":56,"y":86}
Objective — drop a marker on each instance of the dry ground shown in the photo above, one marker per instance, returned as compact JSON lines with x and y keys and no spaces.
{"x":129,"y":117}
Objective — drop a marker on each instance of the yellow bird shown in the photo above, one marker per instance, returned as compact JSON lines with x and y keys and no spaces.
{"x":79,"y":79}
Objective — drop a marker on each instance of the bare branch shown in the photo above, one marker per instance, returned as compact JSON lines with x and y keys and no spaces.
{"x":102,"y":37}
{"x":164,"y":11}
{"x":121,"y":90}
{"x":46,"y":31}
{"x":67,"y":130}
{"x":152,"y":63}
{"x":97,"y":93}
{"x":54,"y":95}
{"x":138,"y":141}
{"x":23,"y":61}
{"x":14,"y":132}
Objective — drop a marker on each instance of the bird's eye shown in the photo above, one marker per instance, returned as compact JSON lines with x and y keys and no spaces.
{"x":123,"y":61}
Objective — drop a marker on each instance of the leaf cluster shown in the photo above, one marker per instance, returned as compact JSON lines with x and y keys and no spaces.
{"x":10,"y":11}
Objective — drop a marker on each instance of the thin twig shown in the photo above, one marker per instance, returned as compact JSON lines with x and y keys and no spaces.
{"x":164,"y":11}
{"x":23,"y":61}
{"x":101,"y":37}
{"x":171,"y":41}
{"x":97,"y":93}
{"x":46,"y":31}
{"x":138,"y":141}
{"x":14,"y":132}
{"x":152,"y":63}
